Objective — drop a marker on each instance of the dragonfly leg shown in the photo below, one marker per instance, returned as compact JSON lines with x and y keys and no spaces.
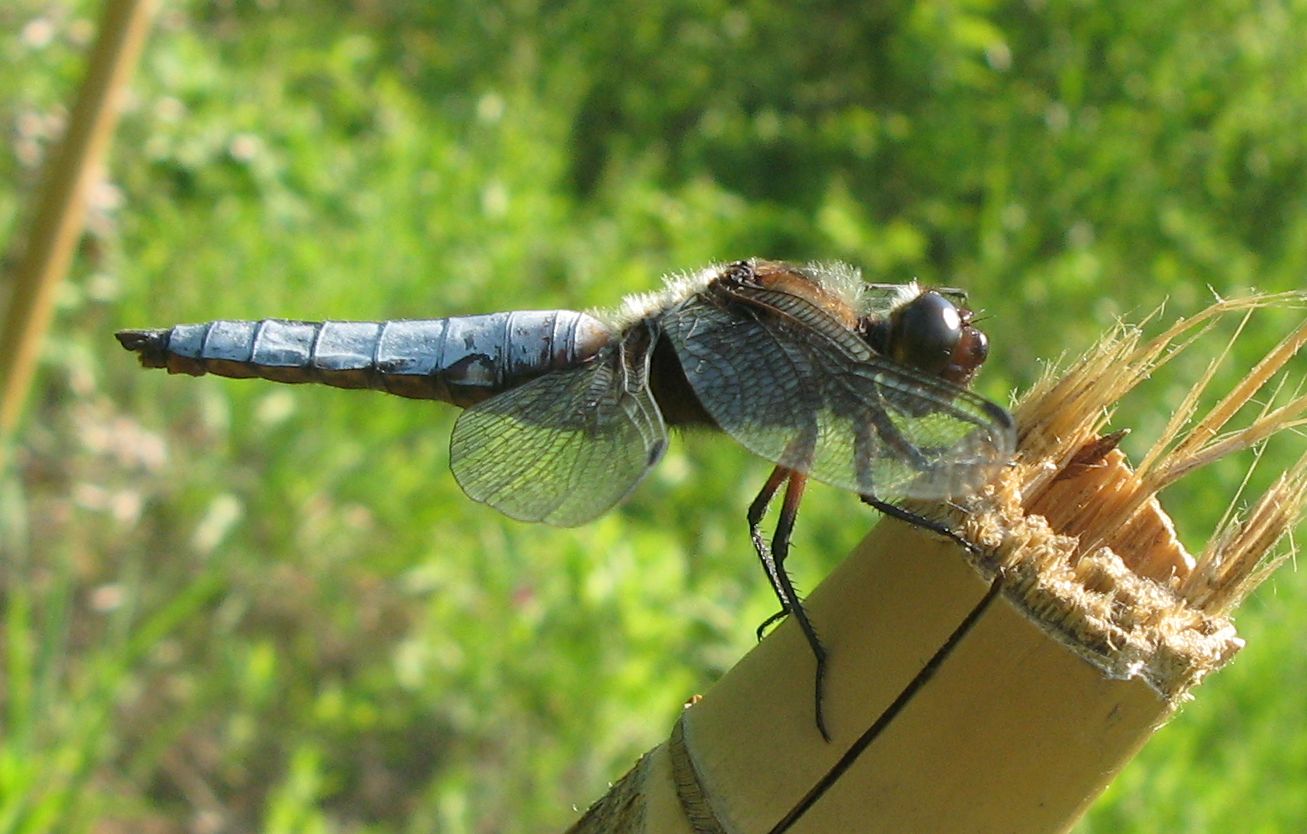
{"x":890,"y":435}
{"x":780,"y":546}
{"x":761,"y":631}
{"x":756,"y":511}
{"x":895,"y":511}
{"x":773,"y":562}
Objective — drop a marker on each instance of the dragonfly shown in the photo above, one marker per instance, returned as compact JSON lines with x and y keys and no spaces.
{"x":857,"y":385}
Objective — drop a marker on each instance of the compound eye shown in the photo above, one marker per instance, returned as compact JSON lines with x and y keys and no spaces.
{"x":969,"y":354}
{"x":972,"y":348}
{"x":926,"y":332}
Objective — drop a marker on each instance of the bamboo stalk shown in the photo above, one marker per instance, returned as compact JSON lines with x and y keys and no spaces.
{"x":60,"y":206}
{"x":991,"y":693}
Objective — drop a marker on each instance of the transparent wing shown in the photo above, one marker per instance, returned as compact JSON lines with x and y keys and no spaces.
{"x":879,"y":298}
{"x":791,"y":384}
{"x":562,"y":448}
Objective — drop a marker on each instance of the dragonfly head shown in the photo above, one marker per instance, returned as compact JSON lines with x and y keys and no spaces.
{"x":931,"y":334}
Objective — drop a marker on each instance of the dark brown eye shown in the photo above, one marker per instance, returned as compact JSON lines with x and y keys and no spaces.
{"x":972,"y":348}
{"x":969,"y":354}
{"x":926,"y":332}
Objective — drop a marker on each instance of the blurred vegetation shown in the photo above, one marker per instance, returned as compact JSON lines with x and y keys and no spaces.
{"x":234,"y":607}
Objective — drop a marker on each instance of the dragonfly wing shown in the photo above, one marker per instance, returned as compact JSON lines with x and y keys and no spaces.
{"x":562,"y":448}
{"x":795,"y":386}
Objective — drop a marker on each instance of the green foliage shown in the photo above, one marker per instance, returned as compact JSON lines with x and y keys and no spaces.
{"x":244,"y":607}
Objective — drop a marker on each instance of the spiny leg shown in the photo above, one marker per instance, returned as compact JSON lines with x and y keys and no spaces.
{"x":780,"y":547}
{"x":895,"y":511}
{"x":757,"y":510}
{"x":891,"y":436}
{"x":773,"y":562}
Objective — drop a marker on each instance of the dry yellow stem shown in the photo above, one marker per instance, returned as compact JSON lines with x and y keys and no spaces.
{"x":60,"y":207}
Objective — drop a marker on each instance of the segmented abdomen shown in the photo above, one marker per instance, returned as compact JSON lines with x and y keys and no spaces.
{"x":461,"y":360}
